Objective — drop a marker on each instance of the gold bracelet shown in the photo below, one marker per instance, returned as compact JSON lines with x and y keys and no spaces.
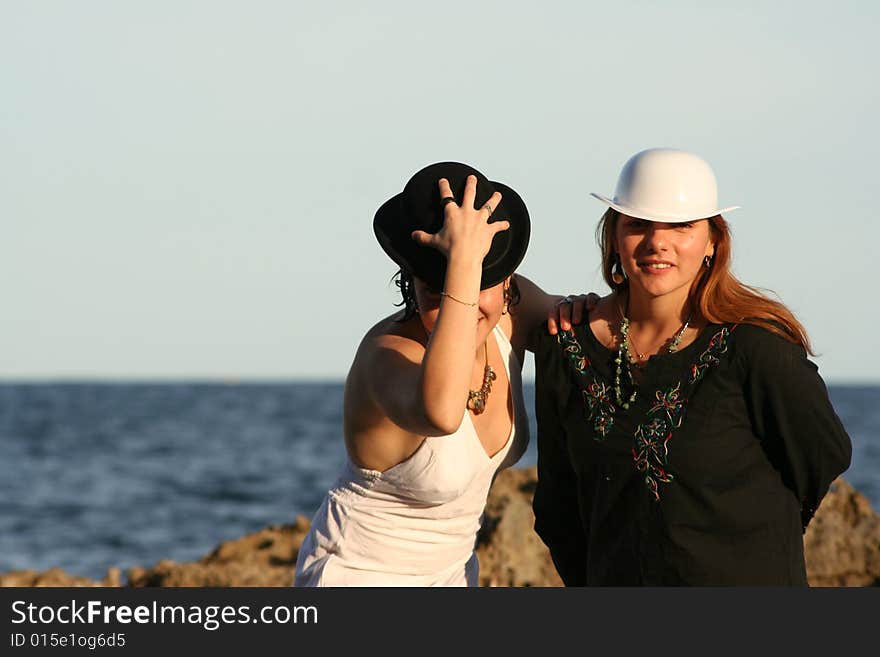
{"x":446,"y":294}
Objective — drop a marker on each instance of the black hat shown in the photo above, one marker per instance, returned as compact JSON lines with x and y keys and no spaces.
{"x":418,"y":207}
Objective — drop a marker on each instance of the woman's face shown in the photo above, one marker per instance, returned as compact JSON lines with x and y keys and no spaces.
{"x":490,"y":306}
{"x":660,"y":258}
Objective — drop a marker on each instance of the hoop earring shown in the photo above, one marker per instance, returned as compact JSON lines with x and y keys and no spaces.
{"x":707,"y":261}
{"x":617,"y":274}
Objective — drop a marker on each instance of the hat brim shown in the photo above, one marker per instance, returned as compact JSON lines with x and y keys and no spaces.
{"x":506,"y":253}
{"x":664,"y":219}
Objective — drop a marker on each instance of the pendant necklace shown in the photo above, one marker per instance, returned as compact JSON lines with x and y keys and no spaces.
{"x":477,"y":398}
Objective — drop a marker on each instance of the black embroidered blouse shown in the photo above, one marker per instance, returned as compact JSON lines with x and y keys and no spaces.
{"x":709,"y":478}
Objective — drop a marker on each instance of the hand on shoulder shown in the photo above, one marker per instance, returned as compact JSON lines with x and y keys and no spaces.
{"x":571,"y":310}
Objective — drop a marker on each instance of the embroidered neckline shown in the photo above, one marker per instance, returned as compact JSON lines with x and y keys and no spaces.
{"x":651,"y":437}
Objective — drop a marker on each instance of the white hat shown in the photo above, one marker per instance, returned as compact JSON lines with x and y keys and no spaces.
{"x":666,"y":185}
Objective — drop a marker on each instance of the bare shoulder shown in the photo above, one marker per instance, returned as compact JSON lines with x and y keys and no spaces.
{"x":392,"y":331}
{"x":390,"y":339}
{"x":386,"y":362}
{"x":388,"y":352}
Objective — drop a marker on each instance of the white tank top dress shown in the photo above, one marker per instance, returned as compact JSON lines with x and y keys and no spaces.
{"x":414,"y":524}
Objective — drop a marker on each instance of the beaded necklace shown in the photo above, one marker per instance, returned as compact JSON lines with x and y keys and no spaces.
{"x":624,"y":356}
{"x":666,"y":411}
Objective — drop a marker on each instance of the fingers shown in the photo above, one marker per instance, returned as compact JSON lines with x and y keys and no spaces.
{"x":570,"y":310}
{"x":492,"y":204}
{"x":565,"y":315}
{"x":445,"y":190}
{"x":423,"y":238}
{"x":583,"y":304}
{"x":499,"y":226}
{"x":577,"y":309}
{"x":470,"y":192}
{"x":559,"y":317}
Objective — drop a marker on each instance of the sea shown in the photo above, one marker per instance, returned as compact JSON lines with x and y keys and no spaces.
{"x":94,"y":475}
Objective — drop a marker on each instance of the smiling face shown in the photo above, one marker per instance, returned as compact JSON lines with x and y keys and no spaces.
{"x":490,"y":305}
{"x":661,"y":258}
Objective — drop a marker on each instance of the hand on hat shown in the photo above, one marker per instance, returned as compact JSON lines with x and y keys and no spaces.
{"x":466,"y":230}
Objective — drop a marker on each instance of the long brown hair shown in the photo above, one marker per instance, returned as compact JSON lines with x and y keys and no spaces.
{"x":718,"y":295}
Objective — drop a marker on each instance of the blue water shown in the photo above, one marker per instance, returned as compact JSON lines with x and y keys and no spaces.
{"x":93,"y":475}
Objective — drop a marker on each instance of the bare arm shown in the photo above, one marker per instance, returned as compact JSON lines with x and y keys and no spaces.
{"x":426,"y":393}
{"x":392,"y":374}
{"x":531,"y":311}
{"x":537,"y":307}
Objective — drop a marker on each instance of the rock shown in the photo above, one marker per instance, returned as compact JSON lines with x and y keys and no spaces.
{"x":509,"y":550}
{"x":842,"y":543}
{"x":842,"y":547}
{"x":264,"y":558}
{"x":56,"y":577}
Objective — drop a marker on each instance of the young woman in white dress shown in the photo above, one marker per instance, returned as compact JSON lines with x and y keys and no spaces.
{"x":433,"y":400}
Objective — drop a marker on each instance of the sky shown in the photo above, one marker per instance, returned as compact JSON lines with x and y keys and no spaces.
{"x":187,"y":188}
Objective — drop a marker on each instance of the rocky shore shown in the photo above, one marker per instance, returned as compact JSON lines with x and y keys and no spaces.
{"x":842,"y":548}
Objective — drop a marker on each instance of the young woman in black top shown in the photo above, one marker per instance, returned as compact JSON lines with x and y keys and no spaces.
{"x":683,"y":435}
